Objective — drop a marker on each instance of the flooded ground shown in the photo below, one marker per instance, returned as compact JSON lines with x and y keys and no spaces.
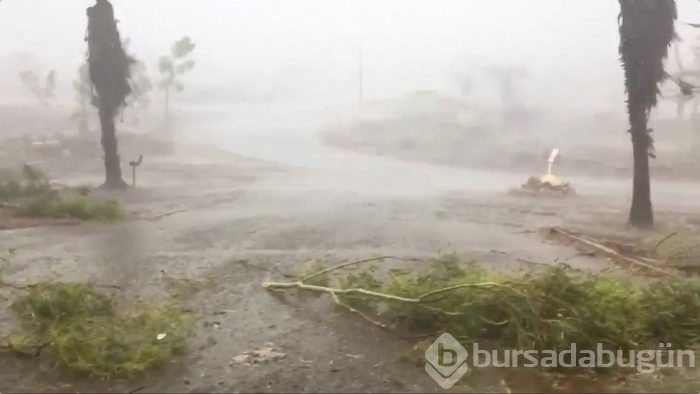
{"x":276,"y":200}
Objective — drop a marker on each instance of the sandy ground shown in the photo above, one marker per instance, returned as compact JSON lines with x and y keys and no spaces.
{"x":235,"y":221}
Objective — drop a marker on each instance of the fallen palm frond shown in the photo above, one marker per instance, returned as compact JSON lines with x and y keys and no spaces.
{"x":548,"y":308}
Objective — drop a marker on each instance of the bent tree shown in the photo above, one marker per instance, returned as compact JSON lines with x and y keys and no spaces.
{"x":109,"y":74}
{"x":646,"y":32}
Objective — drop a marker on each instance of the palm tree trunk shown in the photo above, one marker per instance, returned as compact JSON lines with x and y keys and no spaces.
{"x":641,"y":213}
{"x":113,"y":171}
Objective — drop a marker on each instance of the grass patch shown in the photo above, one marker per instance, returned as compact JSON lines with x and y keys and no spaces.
{"x":82,"y":208}
{"x":545,"y":309}
{"x":28,"y":193}
{"x":90,"y":336}
{"x":48,"y":304}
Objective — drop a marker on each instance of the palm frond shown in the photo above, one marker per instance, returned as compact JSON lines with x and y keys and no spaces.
{"x":647,"y":29}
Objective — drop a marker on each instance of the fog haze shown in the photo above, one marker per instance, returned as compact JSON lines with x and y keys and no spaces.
{"x":308,"y":47}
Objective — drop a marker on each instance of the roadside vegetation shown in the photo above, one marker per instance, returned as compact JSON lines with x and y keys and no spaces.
{"x":28,"y":193}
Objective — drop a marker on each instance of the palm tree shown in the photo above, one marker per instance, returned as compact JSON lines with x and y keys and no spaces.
{"x":46,"y":93}
{"x":647,"y":28}
{"x":172,"y":66}
{"x":109,"y":73}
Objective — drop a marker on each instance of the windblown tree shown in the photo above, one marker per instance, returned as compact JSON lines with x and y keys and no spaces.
{"x":508,"y":79}
{"x":109,"y":73}
{"x":647,"y":29}
{"x":172,"y":67}
{"x":44,"y":93}
{"x":141,"y":86}
{"x":683,"y":85}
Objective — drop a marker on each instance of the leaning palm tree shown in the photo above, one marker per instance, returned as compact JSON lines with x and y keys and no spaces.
{"x":647,"y":29}
{"x":109,"y":73}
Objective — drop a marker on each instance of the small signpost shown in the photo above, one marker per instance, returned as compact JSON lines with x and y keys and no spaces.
{"x":133,"y":165}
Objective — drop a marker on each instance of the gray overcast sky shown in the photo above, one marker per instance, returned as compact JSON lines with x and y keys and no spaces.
{"x":570,"y":45}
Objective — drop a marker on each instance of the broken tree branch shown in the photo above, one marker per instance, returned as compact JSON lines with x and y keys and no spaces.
{"x":335,"y":291}
{"x":612,"y":253}
{"x":359,"y":313}
{"x":342,"y":265}
{"x":524,"y":261}
{"x":664,"y":239}
{"x":462,"y":286}
{"x":165,"y":214}
{"x":350,"y":263}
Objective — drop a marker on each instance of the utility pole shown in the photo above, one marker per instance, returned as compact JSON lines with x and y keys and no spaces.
{"x":354,"y":43}
{"x":360,"y":70}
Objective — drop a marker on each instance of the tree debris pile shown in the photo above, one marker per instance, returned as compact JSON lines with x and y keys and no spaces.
{"x":546,"y":185}
{"x":86,"y":333}
{"x":28,"y":193}
{"x":544,"y":309}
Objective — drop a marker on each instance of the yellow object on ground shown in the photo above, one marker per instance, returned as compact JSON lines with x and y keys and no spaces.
{"x":551,"y":179}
